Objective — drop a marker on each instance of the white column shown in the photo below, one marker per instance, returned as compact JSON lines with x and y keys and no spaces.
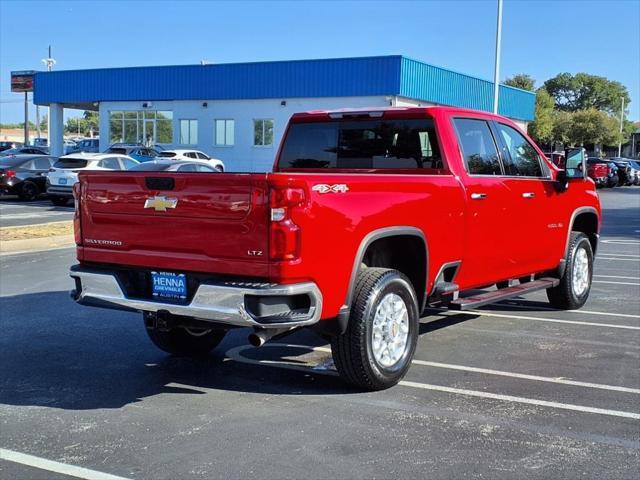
{"x":56,"y":135}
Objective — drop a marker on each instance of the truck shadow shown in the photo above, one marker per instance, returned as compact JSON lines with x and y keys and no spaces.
{"x":54,"y":353}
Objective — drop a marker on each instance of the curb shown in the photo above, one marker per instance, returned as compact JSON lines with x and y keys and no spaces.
{"x":13,"y":247}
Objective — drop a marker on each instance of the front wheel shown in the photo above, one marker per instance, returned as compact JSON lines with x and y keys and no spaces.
{"x":574,"y":287}
{"x":186,"y":342}
{"x":376,"y":350}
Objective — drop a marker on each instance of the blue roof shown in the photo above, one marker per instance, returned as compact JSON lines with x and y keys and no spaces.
{"x":342,"y":77}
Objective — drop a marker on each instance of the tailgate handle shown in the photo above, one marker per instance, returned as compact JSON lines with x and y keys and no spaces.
{"x":160,"y":183}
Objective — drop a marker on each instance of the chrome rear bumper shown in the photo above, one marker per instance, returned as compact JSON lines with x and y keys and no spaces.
{"x":218,"y":303}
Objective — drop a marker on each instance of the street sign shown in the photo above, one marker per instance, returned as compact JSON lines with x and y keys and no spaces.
{"x":22,"y":81}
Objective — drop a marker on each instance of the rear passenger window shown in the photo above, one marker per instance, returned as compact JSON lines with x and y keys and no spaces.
{"x":521,"y":159}
{"x":478,"y":147}
{"x":187,"y":168}
{"x":42,"y":163}
{"x":110,"y":163}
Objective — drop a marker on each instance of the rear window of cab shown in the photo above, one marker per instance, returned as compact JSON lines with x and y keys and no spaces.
{"x":378,"y":144}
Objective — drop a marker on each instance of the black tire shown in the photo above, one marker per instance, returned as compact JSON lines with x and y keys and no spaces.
{"x":353,"y":351}
{"x":565,"y":296}
{"x":219,"y":169}
{"x":59,"y":201}
{"x":180,"y":342}
{"x":28,"y":191}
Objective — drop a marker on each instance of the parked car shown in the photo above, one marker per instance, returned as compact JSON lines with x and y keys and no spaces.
{"x":598,"y":171}
{"x":25,"y":150}
{"x":175,"y":166}
{"x":613,"y":179}
{"x":40,"y":142}
{"x":366,"y":218}
{"x":64,"y":174}
{"x":192,"y":155}
{"x":87,"y":145}
{"x":636,"y":167}
{"x":9,"y":145}
{"x":137,"y":152}
{"x":69,"y":146}
{"x":24,"y":175}
{"x":624,"y":171}
{"x":557,"y":158}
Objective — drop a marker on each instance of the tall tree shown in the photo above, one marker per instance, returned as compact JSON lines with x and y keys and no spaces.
{"x":541,"y":129}
{"x":521,"y":80}
{"x":583,"y":91}
{"x":593,"y":126}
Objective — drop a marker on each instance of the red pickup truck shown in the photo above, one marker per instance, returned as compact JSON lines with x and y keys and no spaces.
{"x":367,"y":218}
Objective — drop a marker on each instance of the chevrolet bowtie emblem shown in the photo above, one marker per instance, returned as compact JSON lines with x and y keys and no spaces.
{"x":160,"y":204}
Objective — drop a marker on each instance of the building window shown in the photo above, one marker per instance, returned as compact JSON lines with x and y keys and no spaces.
{"x":148,"y":127}
{"x":188,"y":132}
{"x":225,"y":132}
{"x":263,"y":133}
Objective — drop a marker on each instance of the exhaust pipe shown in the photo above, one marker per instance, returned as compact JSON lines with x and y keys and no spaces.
{"x":261,"y":336}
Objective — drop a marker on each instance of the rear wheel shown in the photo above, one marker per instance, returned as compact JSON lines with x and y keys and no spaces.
{"x":28,"y":191}
{"x":574,"y":287}
{"x":186,"y":342}
{"x":376,"y":350}
{"x":59,"y":201}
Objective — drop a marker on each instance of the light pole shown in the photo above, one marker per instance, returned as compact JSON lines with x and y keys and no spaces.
{"x":49,"y":62}
{"x":621,"y":125}
{"x":496,"y":73}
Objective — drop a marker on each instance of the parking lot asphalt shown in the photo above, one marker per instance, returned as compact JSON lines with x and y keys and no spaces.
{"x":515,"y":390}
{"x":14,"y":212}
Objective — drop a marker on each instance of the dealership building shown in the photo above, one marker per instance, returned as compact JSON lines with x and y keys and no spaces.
{"x":238,"y":112}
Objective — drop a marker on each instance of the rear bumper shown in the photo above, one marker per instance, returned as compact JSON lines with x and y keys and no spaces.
{"x":229,"y":303}
{"x":57,"y":191}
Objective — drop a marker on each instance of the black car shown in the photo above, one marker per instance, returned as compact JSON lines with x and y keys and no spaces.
{"x":613,"y":179}
{"x":25,"y":175}
{"x":28,"y":150}
{"x":624,"y":171}
{"x":174,"y":166}
{"x":8,"y":145}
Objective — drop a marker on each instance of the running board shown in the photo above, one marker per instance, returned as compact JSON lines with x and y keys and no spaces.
{"x":476,"y":301}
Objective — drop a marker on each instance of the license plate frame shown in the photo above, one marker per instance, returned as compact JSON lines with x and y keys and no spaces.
{"x":169,"y":285}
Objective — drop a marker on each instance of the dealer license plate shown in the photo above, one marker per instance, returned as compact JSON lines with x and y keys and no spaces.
{"x":169,"y":285}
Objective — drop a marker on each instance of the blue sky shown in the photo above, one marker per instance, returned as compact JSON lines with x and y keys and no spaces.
{"x":541,"y":38}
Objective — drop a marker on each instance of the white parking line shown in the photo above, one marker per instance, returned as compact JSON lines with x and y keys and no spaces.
{"x":528,"y":401}
{"x":523,"y":376}
{"x":57,"y":467}
{"x":617,"y":276}
{"x":587,"y":312}
{"x":616,"y":254}
{"x":600,"y":257}
{"x":622,"y":242}
{"x":236,"y":354}
{"x":617,"y":283}
{"x":537,"y":319}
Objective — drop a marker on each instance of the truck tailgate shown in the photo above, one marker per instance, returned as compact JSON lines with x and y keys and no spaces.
{"x":176,"y":221}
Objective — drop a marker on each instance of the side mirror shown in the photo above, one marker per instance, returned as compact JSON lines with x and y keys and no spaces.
{"x":575,"y":165}
{"x":562,"y":181}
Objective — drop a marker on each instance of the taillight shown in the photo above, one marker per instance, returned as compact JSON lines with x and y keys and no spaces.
{"x":77,"y":223}
{"x":9,"y":173}
{"x":285,"y":234}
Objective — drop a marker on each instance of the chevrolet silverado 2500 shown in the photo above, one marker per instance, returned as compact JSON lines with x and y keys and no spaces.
{"x":367,"y":218}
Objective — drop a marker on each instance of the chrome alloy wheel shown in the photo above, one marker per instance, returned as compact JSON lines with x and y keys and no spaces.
{"x":390,"y":330}
{"x":580,"y":276}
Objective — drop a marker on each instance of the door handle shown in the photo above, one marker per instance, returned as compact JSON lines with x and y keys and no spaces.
{"x":528,"y":195}
{"x":478,"y":196}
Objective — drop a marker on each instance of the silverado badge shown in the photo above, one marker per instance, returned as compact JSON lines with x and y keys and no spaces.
{"x":160,"y":203}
